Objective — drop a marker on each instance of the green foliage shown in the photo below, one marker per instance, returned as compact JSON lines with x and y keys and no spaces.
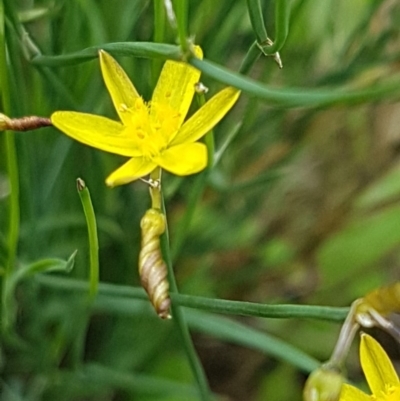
{"x":299,"y":210}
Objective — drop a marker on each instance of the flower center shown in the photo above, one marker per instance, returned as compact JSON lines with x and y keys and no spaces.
{"x":391,"y":394}
{"x":152,"y":126}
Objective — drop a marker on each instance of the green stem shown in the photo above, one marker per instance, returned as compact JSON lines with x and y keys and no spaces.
{"x":296,"y":97}
{"x":251,"y":57}
{"x":180,"y":321}
{"x":346,"y":337}
{"x":257,"y":20}
{"x":30,"y":50}
{"x":150,"y":387}
{"x":281,"y":311}
{"x":181,"y":9}
{"x":155,"y":188}
{"x":233,"y":332}
{"x":209,"y":137}
{"x":158,"y":36}
{"x":195,"y":193}
{"x":10,"y":157}
{"x":84,"y":196}
{"x":282,"y":17}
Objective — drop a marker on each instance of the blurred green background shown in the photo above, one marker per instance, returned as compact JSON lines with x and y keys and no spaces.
{"x":302,"y":208}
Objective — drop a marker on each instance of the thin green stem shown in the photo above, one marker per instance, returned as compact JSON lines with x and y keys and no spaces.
{"x":148,"y":386}
{"x":233,"y":132}
{"x":251,"y":57}
{"x":31,"y":50}
{"x":296,"y":97}
{"x":78,"y":346}
{"x":210,"y":143}
{"x":179,"y":318}
{"x":281,"y":311}
{"x":155,"y":188}
{"x":10,"y":157}
{"x":181,"y":9}
{"x":209,"y":138}
{"x":158,"y":36}
{"x":230,"y":331}
{"x":257,"y":20}
{"x":195,"y":193}
{"x":262,"y":310}
{"x":84,"y":196}
{"x":282,"y":17}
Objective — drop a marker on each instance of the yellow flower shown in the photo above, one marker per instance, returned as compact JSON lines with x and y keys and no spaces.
{"x":379,"y":371}
{"x":152,"y":134}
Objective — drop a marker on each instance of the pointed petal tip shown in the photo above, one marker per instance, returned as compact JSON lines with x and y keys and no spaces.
{"x":198,"y":51}
{"x":377,"y":366}
{"x":103,"y":55}
{"x":207,"y":116}
{"x":134,"y":169}
{"x":184,"y":159}
{"x":110,"y":183}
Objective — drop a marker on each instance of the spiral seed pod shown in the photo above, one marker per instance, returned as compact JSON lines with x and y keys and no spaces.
{"x":23,"y":123}
{"x":152,"y":268}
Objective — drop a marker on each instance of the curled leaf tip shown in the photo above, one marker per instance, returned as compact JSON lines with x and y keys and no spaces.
{"x":80,"y":184}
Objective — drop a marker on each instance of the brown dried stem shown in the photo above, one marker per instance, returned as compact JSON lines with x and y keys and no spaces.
{"x":24,"y":123}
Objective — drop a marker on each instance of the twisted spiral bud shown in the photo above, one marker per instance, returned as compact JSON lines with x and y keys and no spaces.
{"x":24,"y":123}
{"x":152,"y":268}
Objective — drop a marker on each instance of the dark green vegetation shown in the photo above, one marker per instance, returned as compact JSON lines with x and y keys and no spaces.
{"x":301,"y":207}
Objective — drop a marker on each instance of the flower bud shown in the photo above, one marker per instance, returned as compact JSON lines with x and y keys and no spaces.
{"x":324,"y":384}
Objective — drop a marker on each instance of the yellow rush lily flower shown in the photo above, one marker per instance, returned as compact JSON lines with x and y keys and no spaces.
{"x":152,"y":134}
{"x":379,"y":371}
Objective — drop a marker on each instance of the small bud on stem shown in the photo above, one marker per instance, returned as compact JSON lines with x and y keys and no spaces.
{"x":324,"y":384}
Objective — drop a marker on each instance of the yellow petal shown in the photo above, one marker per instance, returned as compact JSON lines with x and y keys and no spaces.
{"x":350,"y":393}
{"x":121,"y":89}
{"x":184,"y":159}
{"x":207,"y":116}
{"x":133,"y":169}
{"x":377,"y":367}
{"x":96,"y":131}
{"x":176,"y":86}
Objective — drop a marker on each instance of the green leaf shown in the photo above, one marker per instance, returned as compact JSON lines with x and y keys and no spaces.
{"x":136,"y":49}
{"x":237,"y":333}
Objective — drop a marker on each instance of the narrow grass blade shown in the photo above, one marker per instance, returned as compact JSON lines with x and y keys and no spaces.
{"x":84,"y":195}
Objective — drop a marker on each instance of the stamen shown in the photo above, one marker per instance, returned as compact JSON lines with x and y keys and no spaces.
{"x":200,"y":88}
{"x":385,"y":324}
{"x":123,"y":107}
{"x":152,"y":183}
